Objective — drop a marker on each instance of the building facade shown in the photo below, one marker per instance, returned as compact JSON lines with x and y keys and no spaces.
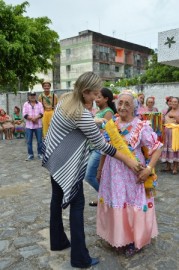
{"x":108,"y":57}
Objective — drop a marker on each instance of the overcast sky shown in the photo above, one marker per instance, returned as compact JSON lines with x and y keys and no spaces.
{"x":137,"y":21}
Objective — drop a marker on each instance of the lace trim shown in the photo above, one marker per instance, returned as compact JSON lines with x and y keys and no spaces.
{"x":136,"y":134}
{"x":104,"y":237}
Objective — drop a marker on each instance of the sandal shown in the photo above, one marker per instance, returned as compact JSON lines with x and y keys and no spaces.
{"x":131,"y":250}
{"x":174,"y":172}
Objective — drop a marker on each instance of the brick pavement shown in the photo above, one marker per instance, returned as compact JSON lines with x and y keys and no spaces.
{"x":24,"y":230}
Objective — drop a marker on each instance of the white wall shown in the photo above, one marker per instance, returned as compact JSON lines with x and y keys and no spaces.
{"x":160,"y":91}
{"x":8,"y":101}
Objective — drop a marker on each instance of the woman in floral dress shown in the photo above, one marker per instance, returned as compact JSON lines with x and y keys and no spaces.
{"x":19,"y":126}
{"x":125,"y":216}
{"x":169,"y":155}
{"x":6,"y":123}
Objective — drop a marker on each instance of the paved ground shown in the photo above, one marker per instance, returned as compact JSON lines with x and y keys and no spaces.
{"x":24,"y":233}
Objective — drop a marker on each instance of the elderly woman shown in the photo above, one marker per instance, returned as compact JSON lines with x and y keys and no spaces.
{"x":66,"y":150}
{"x":125,"y":215}
{"x":7,"y":126}
{"x":169,"y":155}
{"x":19,"y":126}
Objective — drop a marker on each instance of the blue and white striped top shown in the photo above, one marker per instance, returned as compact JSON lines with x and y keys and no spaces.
{"x":66,"y":149}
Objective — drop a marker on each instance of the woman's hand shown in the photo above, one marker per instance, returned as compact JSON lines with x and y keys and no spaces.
{"x":35,"y":120}
{"x":134,"y":165}
{"x":100,"y":120}
{"x":143,"y":175}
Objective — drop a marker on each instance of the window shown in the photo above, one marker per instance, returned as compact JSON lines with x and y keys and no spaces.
{"x":68,"y":84}
{"x":116,"y":69}
{"x":103,"y":67}
{"x":68,"y":52}
{"x":68,"y":68}
{"x":138,"y":63}
{"x":103,"y":49}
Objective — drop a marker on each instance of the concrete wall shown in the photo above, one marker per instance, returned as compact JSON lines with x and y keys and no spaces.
{"x":160,"y":91}
{"x":8,"y":101}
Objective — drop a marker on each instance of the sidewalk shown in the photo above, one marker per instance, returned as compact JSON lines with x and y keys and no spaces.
{"x":25,"y":193}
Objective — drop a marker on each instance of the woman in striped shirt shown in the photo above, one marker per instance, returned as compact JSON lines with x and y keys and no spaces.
{"x":66,"y":150}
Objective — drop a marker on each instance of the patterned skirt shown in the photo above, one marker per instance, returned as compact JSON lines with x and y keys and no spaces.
{"x":168,"y":154}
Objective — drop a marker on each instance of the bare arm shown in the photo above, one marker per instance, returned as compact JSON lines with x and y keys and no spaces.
{"x":100,"y":167}
{"x":108,"y":115}
{"x":133,"y":164}
{"x":177,"y":119}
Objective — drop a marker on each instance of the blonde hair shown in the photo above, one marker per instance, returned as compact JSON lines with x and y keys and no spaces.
{"x":72,"y":105}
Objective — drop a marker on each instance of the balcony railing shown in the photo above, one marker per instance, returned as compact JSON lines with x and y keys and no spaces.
{"x":119,"y":59}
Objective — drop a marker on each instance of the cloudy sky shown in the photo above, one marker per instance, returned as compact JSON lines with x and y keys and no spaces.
{"x":137,"y":21}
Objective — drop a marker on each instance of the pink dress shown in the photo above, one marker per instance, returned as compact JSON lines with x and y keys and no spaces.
{"x":168,"y":154}
{"x":144,"y":109}
{"x":124,"y":214}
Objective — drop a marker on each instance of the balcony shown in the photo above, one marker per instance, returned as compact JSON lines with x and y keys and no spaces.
{"x":119,"y":59}
{"x":120,"y":56}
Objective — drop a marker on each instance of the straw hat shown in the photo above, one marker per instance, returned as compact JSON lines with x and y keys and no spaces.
{"x":46,"y":81}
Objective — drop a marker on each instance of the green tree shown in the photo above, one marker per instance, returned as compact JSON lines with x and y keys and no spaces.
{"x":27,"y":46}
{"x":155,"y":73}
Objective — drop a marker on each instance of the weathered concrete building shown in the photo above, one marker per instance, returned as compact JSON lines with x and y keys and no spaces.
{"x":108,"y":57}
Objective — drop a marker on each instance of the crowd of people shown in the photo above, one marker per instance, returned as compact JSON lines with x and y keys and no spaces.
{"x":77,"y":146}
{"x":168,"y":131}
{"x":35,"y":119}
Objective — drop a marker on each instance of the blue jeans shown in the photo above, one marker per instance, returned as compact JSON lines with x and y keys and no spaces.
{"x":91,"y":171}
{"x":58,"y":239}
{"x":29,"y":138}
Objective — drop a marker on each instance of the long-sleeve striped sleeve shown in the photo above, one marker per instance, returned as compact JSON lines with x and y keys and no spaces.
{"x":87,"y":125}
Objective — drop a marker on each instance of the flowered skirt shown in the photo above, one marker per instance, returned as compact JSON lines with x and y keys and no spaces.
{"x":124,"y":214}
{"x":19,"y":128}
{"x":168,"y":154}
